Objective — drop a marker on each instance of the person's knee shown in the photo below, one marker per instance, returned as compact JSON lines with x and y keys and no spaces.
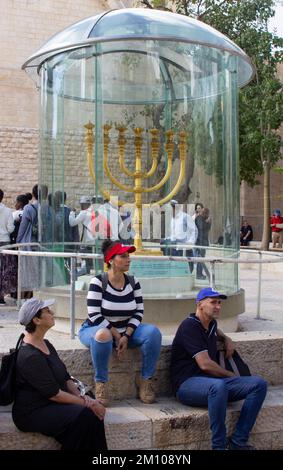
{"x":103,"y":335}
{"x":88,"y":417}
{"x":154,"y":334}
{"x":218,"y":387}
{"x":261,"y":384}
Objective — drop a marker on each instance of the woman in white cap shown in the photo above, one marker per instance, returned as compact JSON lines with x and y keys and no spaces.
{"x":47,"y":400}
{"x":115,"y":312}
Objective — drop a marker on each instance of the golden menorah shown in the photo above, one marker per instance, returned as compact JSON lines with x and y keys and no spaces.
{"x":138,"y":175}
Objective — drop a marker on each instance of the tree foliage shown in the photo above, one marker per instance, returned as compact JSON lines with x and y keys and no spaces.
{"x":261,"y":101}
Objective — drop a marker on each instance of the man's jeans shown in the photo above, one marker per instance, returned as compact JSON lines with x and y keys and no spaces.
{"x":145,"y":336}
{"x":215,"y":393}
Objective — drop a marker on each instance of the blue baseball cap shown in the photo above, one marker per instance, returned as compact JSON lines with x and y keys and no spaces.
{"x":209,"y":292}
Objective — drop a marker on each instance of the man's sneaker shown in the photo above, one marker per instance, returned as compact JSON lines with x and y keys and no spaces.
{"x":101,"y":393}
{"x":145,"y":390}
{"x":232,"y":446}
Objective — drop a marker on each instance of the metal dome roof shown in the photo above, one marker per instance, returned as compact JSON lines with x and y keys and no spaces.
{"x":138,"y":24}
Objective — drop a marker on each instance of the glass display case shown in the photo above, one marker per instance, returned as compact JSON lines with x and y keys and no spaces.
{"x":139,"y":107}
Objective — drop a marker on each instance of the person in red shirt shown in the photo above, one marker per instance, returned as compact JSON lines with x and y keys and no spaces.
{"x":276,"y":222}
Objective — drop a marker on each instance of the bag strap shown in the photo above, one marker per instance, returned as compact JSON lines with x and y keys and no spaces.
{"x":131,"y":281}
{"x":222,"y":359}
{"x":234,"y":366}
{"x":32,"y":205}
{"x":231,"y":362}
{"x":19,"y":342}
{"x":104,"y":280}
{"x":83,"y":231}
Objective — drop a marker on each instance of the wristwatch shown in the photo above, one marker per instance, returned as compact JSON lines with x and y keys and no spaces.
{"x":127,"y":335}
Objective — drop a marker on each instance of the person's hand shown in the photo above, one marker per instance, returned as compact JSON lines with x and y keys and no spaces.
{"x":98,"y":409}
{"x":117,"y":338}
{"x":229,"y":347}
{"x":122,"y":346}
{"x":88,"y":401}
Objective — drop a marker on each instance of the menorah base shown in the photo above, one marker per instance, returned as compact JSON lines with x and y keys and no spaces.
{"x":165,"y":311}
{"x":148,"y":252}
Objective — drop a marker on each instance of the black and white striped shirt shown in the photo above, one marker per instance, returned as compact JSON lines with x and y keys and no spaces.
{"x":117,"y":308}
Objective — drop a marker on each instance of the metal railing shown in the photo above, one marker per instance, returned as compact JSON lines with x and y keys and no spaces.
{"x":73,"y":256}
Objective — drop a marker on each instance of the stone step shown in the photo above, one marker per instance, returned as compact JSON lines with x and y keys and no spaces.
{"x":165,"y":424}
{"x":261,"y":350}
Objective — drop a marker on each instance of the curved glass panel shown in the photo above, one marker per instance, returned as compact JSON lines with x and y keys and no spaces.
{"x":142,"y":24}
{"x":113,"y":117}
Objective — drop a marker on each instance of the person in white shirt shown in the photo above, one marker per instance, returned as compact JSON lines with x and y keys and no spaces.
{"x":183,"y":231}
{"x":83,"y":218}
{"x":87,"y":238}
{"x":111,"y":214}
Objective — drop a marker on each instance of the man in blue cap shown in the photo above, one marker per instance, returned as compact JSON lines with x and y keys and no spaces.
{"x":198,"y":380}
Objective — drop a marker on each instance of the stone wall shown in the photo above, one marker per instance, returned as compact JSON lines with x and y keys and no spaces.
{"x":18,"y":156}
{"x":24,"y":27}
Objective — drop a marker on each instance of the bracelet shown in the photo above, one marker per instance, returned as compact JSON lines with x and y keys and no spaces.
{"x":127,"y":335}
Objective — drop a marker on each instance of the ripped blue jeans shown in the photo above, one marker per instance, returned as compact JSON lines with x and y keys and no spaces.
{"x":146,"y":336}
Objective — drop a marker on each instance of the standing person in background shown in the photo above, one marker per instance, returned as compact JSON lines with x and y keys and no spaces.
{"x":246,"y":234}
{"x":64,"y":232}
{"x":115,"y":312}
{"x":28,"y":233}
{"x":110,"y":211}
{"x":83,"y":218}
{"x":277,"y":232}
{"x":203,"y":223}
{"x":21,"y":201}
{"x":47,"y":215}
{"x":127,"y":233}
{"x":7,"y":267}
{"x":47,"y":400}
{"x":86,"y":238}
{"x":183,"y":232}
{"x":29,"y":196}
{"x":198,"y":209}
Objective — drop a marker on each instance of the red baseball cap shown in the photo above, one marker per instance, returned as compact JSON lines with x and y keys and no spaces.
{"x":118,"y":249}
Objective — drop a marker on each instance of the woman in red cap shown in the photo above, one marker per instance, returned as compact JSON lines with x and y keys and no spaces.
{"x":115,"y":312}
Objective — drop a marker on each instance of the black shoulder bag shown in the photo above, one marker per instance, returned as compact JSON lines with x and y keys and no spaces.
{"x":233,"y":364}
{"x":8,"y":375}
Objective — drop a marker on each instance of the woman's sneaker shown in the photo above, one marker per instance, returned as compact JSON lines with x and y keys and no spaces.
{"x":102,"y":393}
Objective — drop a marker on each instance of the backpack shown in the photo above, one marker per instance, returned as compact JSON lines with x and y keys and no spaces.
{"x":104,"y":280}
{"x":34,"y":228}
{"x":14,"y":234}
{"x":233,"y":364}
{"x":99,"y":225}
{"x":8,"y":375}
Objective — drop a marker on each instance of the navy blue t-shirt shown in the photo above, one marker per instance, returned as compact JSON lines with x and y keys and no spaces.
{"x":191,"y":338}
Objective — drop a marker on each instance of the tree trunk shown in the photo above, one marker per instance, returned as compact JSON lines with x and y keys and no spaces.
{"x":266,"y":206}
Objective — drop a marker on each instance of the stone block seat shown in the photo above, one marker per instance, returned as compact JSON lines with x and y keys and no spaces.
{"x":167,"y":424}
